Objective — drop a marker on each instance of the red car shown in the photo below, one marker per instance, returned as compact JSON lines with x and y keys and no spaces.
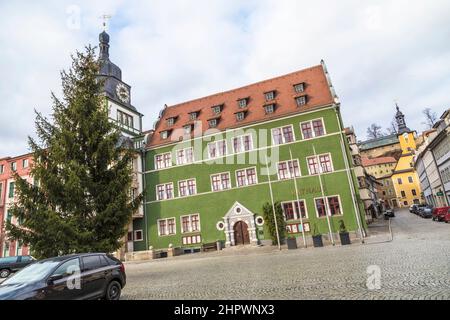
{"x":440,"y":213}
{"x":447,"y":217}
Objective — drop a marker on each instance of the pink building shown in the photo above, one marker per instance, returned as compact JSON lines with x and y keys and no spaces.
{"x":21,"y":165}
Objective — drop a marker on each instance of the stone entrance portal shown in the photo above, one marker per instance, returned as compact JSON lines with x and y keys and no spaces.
{"x":239,"y":226}
{"x":241,"y":235}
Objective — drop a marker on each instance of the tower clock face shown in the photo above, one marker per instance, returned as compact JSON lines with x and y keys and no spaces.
{"x":122,"y":93}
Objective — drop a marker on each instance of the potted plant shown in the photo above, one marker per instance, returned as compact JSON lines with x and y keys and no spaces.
{"x":317,"y":237}
{"x":343,"y":233}
{"x":291,"y":242}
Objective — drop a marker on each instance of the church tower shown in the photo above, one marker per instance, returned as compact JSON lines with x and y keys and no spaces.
{"x":404,"y":178}
{"x":118,"y":93}
{"x":129,"y":120}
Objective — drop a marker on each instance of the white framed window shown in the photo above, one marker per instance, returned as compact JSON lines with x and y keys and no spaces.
{"x":243,"y":143}
{"x":288,"y":169}
{"x":301,"y":101}
{"x":240,"y":116}
{"x":217,"y":149}
{"x":190,"y":223}
{"x":187,"y":187}
{"x":269,"y":108}
{"x":220,"y":181}
{"x":217,"y":109}
{"x":212,"y":123}
{"x":293,"y":209}
{"x":242,"y":103}
{"x":170,"y":122}
{"x":164,"y":191}
{"x":269,"y":95}
{"x":246,"y":177}
{"x":25,"y":163}
{"x":193,"y":115}
{"x":321,"y":163}
{"x":299,"y":88}
{"x":167,"y":227}
{"x":138,"y":235}
{"x":185,"y":156}
{"x":163,"y":160}
{"x":192,"y":239}
{"x":283,"y":135}
{"x":330,"y":203}
{"x":2,"y":168}
{"x":312,"y":129}
{"x":13,"y":166}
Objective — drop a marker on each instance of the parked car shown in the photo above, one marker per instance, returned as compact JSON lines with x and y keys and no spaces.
{"x":425,"y":212}
{"x":77,"y":276}
{"x":389,"y":214}
{"x":447,"y":216}
{"x":413,"y":208}
{"x":439,"y":213}
{"x":9,"y":265}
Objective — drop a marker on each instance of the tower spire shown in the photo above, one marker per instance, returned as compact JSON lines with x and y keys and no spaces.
{"x":400,"y":119}
{"x":104,"y":39}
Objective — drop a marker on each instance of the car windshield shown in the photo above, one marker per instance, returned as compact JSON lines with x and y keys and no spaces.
{"x":34,"y":272}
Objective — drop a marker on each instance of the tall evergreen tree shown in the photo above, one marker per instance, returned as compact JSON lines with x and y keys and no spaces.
{"x":81,"y":201}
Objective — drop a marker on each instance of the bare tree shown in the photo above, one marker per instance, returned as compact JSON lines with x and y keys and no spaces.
{"x":393,"y":129}
{"x":430,"y":118}
{"x":374,"y":131}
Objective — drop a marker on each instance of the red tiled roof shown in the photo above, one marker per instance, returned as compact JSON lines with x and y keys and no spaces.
{"x":366,"y":162}
{"x":316,"y":88}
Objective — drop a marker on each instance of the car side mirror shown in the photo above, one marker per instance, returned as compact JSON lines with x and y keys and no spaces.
{"x":54,"y":278}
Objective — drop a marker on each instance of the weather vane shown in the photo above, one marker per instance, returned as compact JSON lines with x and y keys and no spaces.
{"x":105,"y":18}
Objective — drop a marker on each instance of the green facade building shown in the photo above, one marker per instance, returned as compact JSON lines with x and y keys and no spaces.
{"x":205,"y":173}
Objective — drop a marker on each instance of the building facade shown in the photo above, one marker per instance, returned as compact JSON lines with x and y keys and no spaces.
{"x":367,"y":183}
{"x":382,"y":169}
{"x":207,"y":178}
{"x":9,"y":166}
{"x":405,"y":180}
{"x":438,"y":155}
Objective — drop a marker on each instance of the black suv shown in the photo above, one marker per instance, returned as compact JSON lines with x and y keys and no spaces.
{"x":77,"y":276}
{"x":13,"y":264}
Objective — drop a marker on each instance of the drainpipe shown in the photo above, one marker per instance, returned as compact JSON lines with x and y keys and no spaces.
{"x":143,"y":200}
{"x":350,"y":180}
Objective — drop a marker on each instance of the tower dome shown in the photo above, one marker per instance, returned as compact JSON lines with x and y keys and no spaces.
{"x":107,"y":68}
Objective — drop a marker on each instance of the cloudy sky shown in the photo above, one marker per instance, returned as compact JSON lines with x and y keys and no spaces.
{"x":171,"y":51}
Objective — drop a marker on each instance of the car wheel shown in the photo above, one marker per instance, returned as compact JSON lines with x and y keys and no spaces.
{"x":4,"y":273}
{"x":113,"y":291}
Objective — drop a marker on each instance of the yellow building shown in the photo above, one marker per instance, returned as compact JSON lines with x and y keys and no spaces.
{"x":404,"y":178}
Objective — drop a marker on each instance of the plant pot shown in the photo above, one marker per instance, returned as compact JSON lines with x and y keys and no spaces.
{"x":345,"y":238}
{"x":291,"y":243}
{"x":317,"y":241}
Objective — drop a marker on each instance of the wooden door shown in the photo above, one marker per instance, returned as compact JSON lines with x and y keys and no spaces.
{"x":241,"y":235}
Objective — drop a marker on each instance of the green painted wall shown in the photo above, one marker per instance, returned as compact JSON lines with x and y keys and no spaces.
{"x":212,"y":206}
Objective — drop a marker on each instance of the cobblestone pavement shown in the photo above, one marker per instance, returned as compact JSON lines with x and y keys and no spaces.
{"x":415,"y":265}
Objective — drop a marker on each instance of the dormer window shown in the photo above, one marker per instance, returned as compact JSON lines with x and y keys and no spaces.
{"x":240,"y":116}
{"x":170,"y":121}
{"x":165,"y":134}
{"x":301,"y":101}
{"x":217,"y":109}
{"x":193,"y":115}
{"x":242,"y":103}
{"x":212,"y":123}
{"x":269,"y":95}
{"x":299,"y":88}
{"x":269,"y":108}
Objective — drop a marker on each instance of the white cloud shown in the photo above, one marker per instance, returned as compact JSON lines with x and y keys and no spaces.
{"x":174,"y":51}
